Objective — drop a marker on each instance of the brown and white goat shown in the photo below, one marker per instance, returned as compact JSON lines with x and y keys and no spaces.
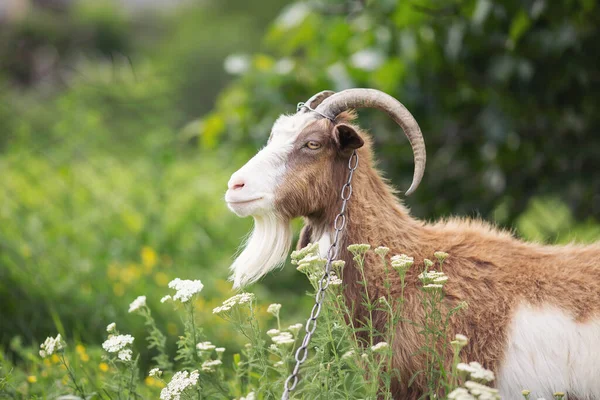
{"x":533,"y":311}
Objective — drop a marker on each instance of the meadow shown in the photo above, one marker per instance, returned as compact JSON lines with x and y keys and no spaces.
{"x":114,"y":162}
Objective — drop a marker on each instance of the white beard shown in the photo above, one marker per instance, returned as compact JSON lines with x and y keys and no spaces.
{"x":265,"y":249}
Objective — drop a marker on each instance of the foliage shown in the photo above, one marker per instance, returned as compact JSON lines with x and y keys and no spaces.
{"x":350,"y":361}
{"x":505,"y":93}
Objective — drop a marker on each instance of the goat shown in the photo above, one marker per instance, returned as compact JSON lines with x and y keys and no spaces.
{"x":533,"y":310}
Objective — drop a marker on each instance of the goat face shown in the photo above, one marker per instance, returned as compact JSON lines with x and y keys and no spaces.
{"x":293,"y":175}
{"x":298,"y":173}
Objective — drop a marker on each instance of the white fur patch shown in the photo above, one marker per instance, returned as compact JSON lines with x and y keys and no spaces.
{"x":267,"y":248}
{"x":268,"y":245}
{"x":549,"y":352}
{"x":324,"y":243}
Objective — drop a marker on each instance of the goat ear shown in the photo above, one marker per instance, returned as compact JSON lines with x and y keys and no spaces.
{"x":347,"y":138}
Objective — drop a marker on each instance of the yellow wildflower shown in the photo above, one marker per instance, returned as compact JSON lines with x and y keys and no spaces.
{"x":103,"y":367}
{"x":32,"y":379}
{"x":149,"y":258}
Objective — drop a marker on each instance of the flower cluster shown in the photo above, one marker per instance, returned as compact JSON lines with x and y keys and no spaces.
{"x":441,"y":256}
{"x":205,"y":346}
{"x":433,"y":280}
{"x":402,"y":262}
{"x":185,"y":289}
{"x":178,"y":384}
{"x":309,"y":249}
{"x":359,"y":249}
{"x":380,"y":347}
{"x":111,"y":327}
{"x":155,"y":372}
{"x":283,"y":338}
{"x":208,"y":366}
{"x":334,"y":280}
{"x":51,"y":345}
{"x":473,"y":390}
{"x":311,"y":265}
{"x":238,"y":299}
{"x":274,"y":309}
{"x":249,"y":396}
{"x":476,"y":371}
{"x":295,"y":328}
{"x":137,"y":304}
{"x":382,"y":251}
{"x":118,"y":344}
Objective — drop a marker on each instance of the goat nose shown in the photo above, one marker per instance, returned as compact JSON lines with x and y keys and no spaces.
{"x":236,"y":184}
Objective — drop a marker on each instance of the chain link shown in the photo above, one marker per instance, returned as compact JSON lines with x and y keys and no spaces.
{"x":339,"y":223}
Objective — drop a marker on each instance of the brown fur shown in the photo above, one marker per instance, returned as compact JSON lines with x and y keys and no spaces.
{"x":489,"y":269}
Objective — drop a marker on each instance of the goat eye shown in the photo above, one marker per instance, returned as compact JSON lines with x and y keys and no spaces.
{"x":313,"y":145}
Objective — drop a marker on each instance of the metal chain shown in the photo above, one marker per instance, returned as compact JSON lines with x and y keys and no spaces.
{"x":339,"y":223}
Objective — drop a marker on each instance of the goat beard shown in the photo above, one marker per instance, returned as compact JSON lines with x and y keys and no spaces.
{"x":266,"y":248}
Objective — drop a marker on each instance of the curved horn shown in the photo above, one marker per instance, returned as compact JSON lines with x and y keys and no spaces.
{"x":371,"y":98}
{"x":315,"y":100}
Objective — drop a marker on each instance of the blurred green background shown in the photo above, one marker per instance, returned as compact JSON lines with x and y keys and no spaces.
{"x":121,"y":121}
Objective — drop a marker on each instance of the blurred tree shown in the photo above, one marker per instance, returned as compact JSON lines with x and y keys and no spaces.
{"x":505,"y":93}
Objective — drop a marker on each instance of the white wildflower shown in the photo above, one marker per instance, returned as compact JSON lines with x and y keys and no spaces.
{"x":292,"y":15}
{"x":428,"y":263}
{"x":274,"y":309}
{"x":238,"y":299}
{"x":185,"y":288}
{"x":51,"y":345}
{"x":137,"y":304}
{"x":273,"y":347}
{"x":334,"y":280}
{"x":273,"y":332}
{"x":284,"y":338}
{"x":205,"y":346}
{"x":125,"y":355}
{"x":358,"y":249}
{"x":117,"y":343}
{"x":178,"y":384}
{"x":249,"y":396}
{"x":165,"y":298}
{"x":311,"y":248}
{"x":402,"y":262}
{"x":111,"y":327}
{"x":432,"y":287}
{"x":476,"y":371}
{"x":481,"y":391}
{"x":441,"y":256}
{"x":220,"y":350}
{"x":462,"y":339}
{"x":278,"y":364}
{"x":155,"y":372}
{"x":348,"y":354}
{"x":208,"y":366}
{"x":382,"y":251}
{"x":295,"y":328}
{"x":380,"y":347}
{"x":431,"y":277}
{"x":460,"y":394}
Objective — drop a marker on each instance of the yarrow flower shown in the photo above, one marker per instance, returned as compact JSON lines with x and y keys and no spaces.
{"x":481,"y":391}
{"x":111,"y":327}
{"x":438,"y":278}
{"x":125,"y":355}
{"x":428,"y":263}
{"x":432,"y":287}
{"x":476,"y":371}
{"x":460,"y":394}
{"x":380,"y":347}
{"x":338,"y":265}
{"x":283,"y":338}
{"x":402,"y":262}
{"x":137,"y":304}
{"x":348,"y":354}
{"x":205,"y":346}
{"x":274,"y":309}
{"x":185,"y":289}
{"x":311,"y":248}
{"x":249,"y":396}
{"x":238,"y":299}
{"x":382,"y":251}
{"x":334,"y":280}
{"x":295,"y":328}
{"x":359,"y":249}
{"x":220,"y":350}
{"x":165,"y":298}
{"x":155,"y":372}
{"x":51,"y":345}
{"x":178,"y":384}
{"x":461,"y":339}
{"x":311,"y":264}
{"x":208,"y":366}
{"x":117,"y":343}
{"x":273,"y":332}
{"x":441,"y":256}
